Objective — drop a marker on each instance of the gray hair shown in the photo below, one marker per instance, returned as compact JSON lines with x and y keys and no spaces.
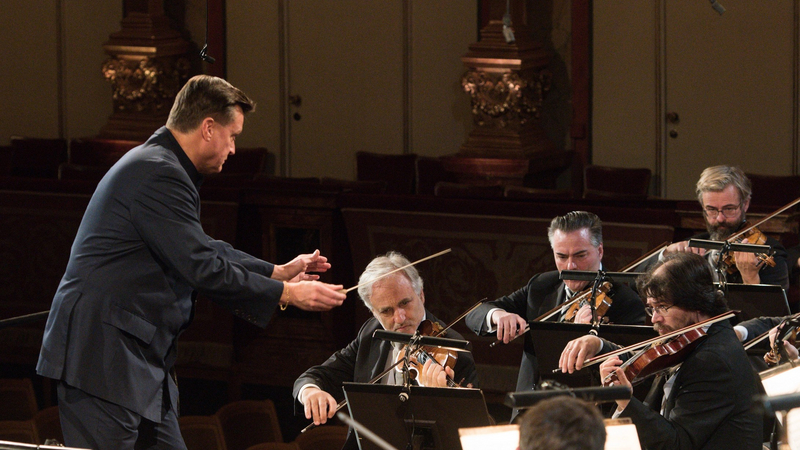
{"x":717,"y":178}
{"x":575,"y":221}
{"x":382,"y":265}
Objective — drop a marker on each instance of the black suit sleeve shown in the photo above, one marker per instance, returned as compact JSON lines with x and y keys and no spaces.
{"x":626,"y":308}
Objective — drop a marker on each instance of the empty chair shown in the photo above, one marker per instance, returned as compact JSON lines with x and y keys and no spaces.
{"x":98,"y":152}
{"x":18,"y":431}
{"x":512,"y":191}
{"x":6,"y":152}
{"x":275,"y":446}
{"x":249,"y":422}
{"x":202,"y":433}
{"x":601,"y":182}
{"x":360,"y":187}
{"x":48,"y":425}
{"x":71,"y":171}
{"x":18,"y":399}
{"x":774,"y":190}
{"x":398,"y":171}
{"x":430,"y":171}
{"x":326,"y":437}
{"x":460,"y":190}
{"x":38,"y":158}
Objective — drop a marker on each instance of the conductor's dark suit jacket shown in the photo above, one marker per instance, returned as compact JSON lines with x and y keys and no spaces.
{"x":544,"y":292}
{"x":137,"y":262}
{"x":364,"y":359}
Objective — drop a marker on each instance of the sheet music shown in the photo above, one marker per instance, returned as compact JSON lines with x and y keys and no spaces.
{"x":498,"y":437}
{"x":622,"y":437}
{"x":793,"y":429}
{"x":786,"y":382}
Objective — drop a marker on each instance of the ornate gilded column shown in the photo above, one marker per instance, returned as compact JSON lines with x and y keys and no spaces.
{"x":506,"y":82}
{"x":148,"y":65}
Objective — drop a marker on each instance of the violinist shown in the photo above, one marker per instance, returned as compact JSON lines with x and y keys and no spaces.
{"x":703,"y":400}
{"x":577,"y":242}
{"x":397,"y":303}
{"x":754,"y":328}
{"x":724,"y":194}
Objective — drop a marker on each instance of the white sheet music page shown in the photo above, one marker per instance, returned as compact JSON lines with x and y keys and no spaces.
{"x":498,"y":437}
{"x":621,"y":435}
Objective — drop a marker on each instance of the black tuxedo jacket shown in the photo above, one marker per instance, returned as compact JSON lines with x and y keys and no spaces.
{"x":709,"y":406}
{"x":544,"y":292}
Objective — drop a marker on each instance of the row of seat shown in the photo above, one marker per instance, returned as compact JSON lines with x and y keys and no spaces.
{"x":43,"y":428}
{"x":400,"y":174}
{"x":89,"y":159}
{"x":237,"y":425}
{"x":217,"y":432}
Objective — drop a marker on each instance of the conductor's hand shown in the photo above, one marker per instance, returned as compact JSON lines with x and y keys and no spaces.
{"x":509,"y":325}
{"x":312,"y":295}
{"x":318,"y":404}
{"x":683,"y":246}
{"x":298,"y":268}
{"x":578,"y":351}
{"x":612,"y":365}
{"x":434,"y":375}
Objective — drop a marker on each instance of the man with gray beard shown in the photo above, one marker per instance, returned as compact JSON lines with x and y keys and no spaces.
{"x":724,"y":194}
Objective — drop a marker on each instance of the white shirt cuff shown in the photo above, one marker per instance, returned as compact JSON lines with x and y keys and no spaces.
{"x":302,"y":389}
{"x":489,"y":325}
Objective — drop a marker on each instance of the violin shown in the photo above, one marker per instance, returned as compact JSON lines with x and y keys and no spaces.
{"x":753,"y":236}
{"x":659,"y":357}
{"x":601,"y":305}
{"x":655,"y":340}
{"x":602,"y":302}
{"x":378,"y":377}
{"x":787,"y":332}
{"x":418,"y":358}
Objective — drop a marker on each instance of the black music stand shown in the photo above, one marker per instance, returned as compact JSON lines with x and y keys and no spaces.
{"x":757,"y":300}
{"x":550,"y":338}
{"x":428,"y":418}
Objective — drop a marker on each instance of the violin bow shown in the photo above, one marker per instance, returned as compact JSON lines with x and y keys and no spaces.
{"x":345,"y":291}
{"x":769,"y":217}
{"x":461,"y":316}
{"x":702,"y":323}
{"x":752,"y":342}
{"x":581,"y":296}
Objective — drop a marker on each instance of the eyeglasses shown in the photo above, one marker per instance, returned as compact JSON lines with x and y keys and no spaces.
{"x":728,"y":211}
{"x":650,"y":310}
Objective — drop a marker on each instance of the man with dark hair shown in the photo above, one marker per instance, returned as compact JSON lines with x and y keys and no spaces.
{"x":724,"y":194}
{"x":703,"y":402}
{"x":577,"y":242}
{"x":397,"y":303}
{"x":563,"y":423}
{"x":138,"y":261}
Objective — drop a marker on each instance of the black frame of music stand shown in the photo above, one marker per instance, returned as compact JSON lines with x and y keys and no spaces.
{"x":428,"y":414}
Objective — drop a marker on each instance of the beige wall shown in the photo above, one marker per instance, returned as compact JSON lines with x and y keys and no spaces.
{"x":53,"y":85}
{"x":30,"y":70}
{"x":47,"y":42}
{"x":624,"y":84}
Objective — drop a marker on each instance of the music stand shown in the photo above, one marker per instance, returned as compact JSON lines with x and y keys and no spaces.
{"x":550,"y":338}
{"x":429,"y":418}
{"x":757,"y":300}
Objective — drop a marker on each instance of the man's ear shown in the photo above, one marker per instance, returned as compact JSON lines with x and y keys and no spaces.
{"x":207,"y":128}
